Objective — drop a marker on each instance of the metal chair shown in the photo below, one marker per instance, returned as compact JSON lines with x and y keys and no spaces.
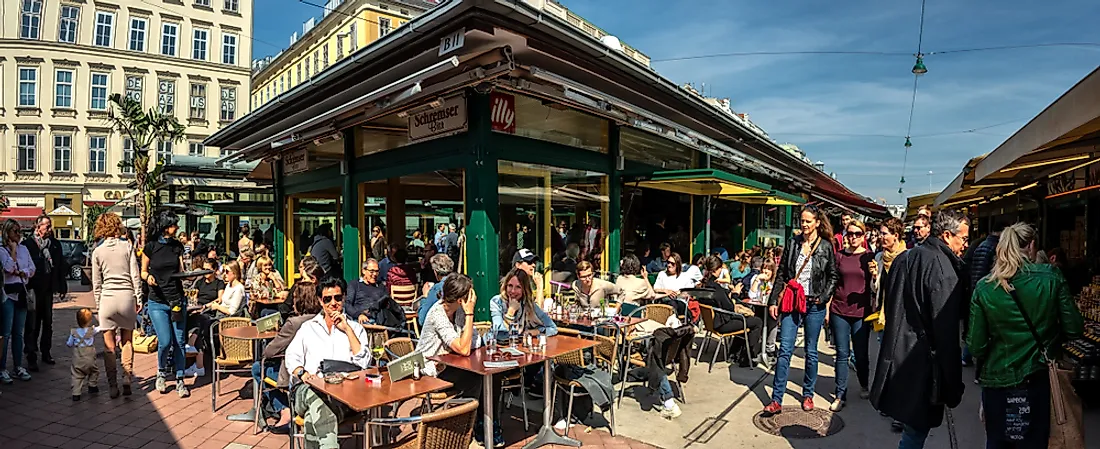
{"x":232,"y":353}
{"x":707,"y":314}
{"x":655,"y":312}
{"x":576,"y":358}
{"x":451,"y":427}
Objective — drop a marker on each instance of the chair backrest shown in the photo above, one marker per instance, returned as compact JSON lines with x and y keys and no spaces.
{"x":234,"y":348}
{"x":658,"y":312}
{"x":707,"y":314}
{"x":403,"y":294}
{"x":376,"y":338}
{"x":399,"y":347}
{"x":451,"y":428}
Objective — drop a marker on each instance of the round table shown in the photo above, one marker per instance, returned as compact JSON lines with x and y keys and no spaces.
{"x":257,"y":338}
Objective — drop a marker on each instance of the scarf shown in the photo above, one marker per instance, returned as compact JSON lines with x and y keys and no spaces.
{"x":889,"y":254}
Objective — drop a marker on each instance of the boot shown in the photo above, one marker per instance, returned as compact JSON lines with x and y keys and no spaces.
{"x":110,"y":360}
{"x":127,"y":365}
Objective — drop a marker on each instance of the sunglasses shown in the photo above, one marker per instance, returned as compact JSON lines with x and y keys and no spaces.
{"x":855,"y":234}
{"x":333,"y":298}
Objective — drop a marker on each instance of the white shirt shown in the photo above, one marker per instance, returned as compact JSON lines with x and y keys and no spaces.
{"x":233,"y":298}
{"x":16,"y":271}
{"x":666,"y":282}
{"x":313,"y":343}
{"x":437,"y":335}
{"x":694,"y":273}
{"x":82,"y":337}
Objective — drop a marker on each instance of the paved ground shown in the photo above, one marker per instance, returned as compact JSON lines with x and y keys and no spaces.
{"x":41,"y":413}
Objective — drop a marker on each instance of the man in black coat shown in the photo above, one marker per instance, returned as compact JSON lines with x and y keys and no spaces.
{"x":923,"y":295}
{"x":49,"y":279}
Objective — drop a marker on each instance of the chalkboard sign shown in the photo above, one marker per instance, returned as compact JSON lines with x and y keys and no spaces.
{"x":1017,"y":414}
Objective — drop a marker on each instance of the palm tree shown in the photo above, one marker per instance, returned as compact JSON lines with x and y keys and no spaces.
{"x":143,"y":129}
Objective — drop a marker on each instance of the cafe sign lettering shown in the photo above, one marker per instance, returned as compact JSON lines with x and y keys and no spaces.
{"x":296,"y":162}
{"x":1066,"y":182}
{"x":450,"y":118}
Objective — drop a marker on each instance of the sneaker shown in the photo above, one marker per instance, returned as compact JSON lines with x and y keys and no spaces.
{"x":22,"y":374}
{"x":190,"y":349}
{"x":561,"y":425}
{"x":5,"y":377}
{"x":774,"y":408}
{"x":113,"y":389}
{"x":93,"y":390}
{"x":672,"y":412}
{"x":194,"y":371}
{"x":837,"y":405}
{"x":864,"y":393}
{"x":808,"y":404}
{"x":896,"y":427}
{"x":48,"y":359}
{"x":182,"y":390}
{"x":162,"y":384}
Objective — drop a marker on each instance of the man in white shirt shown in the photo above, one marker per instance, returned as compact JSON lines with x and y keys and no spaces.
{"x":328,"y":337}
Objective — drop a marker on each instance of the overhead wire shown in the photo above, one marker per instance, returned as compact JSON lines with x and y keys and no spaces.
{"x":877,"y":53}
{"x":912,"y":101}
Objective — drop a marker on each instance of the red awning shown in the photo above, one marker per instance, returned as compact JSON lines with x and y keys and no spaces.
{"x":24,"y":215}
{"x":100,"y":203}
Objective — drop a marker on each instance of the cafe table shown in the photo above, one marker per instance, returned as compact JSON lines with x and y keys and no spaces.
{"x":475,"y":363}
{"x":250,"y":333}
{"x":361,"y":396}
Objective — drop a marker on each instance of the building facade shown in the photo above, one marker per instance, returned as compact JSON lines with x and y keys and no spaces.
{"x":61,"y":60}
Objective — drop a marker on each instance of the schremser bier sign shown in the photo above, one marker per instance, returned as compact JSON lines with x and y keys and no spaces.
{"x":447,"y":119}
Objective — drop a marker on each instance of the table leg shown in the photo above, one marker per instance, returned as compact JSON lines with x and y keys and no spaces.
{"x":487,"y":403}
{"x":546,"y":433}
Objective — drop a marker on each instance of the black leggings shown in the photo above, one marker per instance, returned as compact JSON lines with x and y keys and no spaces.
{"x":755,"y":332}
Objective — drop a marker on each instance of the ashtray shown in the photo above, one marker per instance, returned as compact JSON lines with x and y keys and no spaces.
{"x":334,"y":378}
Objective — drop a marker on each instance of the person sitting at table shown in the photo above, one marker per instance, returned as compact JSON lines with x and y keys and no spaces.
{"x":449,"y":329}
{"x":208,"y":289}
{"x":365,"y":293}
{"x":725,"y":322}
{"x":328,"y":337}
{"x":516,"y":304}
{"x":673,"y":278}
{"x":634,"y":282}
{"x":306,"y":307}
{"x":590,"y":290}
{"x":265,"y":287}
{"x":231,"y":302}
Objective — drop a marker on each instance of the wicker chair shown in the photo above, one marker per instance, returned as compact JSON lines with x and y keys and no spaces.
{"x":404,"y":295}
{"x":576,"y":358}
{"x":376,"y":339}
{"x":707,"y":313}
{"x":656,"y":312}
{"x":233,"y":356}
{"x":451,"y":427}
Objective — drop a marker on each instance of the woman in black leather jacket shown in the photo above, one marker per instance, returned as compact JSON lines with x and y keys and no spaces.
{"x":814,"y":250}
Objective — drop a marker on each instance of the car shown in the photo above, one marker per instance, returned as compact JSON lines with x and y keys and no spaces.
{"x":76,"y":255}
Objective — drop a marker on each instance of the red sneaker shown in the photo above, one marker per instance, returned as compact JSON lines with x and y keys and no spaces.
{"x":807,"y":404}
{"x":774,"y":408}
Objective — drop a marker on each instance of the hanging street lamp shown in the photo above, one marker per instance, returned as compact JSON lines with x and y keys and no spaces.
{"x":919,"y":68}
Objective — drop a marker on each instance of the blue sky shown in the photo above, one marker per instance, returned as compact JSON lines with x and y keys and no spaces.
{"x":809,"y":99}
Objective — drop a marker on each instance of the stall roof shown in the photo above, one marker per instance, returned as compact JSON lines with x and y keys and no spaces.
{"x":705,"y":181}
{"x":771,"y":198}
{"x":914,"y":203}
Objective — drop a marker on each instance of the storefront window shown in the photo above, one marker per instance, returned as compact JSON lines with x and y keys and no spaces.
{"x":410,"y":210}
{"x":553,"y":122}
{"x":309,"y":212}
{"x":655,"y":151}
{"x":559,"y":214}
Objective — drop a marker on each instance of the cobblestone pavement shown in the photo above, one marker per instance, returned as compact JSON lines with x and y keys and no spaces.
{"x":41,"y":413}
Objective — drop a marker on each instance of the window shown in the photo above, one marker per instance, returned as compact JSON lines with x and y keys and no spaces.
{"x":168,"y":39}
{"x":232,"y":5}
{"x":164,"y":151}
{"x":198,"y":101}
{"x":229,"y":49}
{"x":353,"y":38}
{"x":229,"y":103}
{"x":199,"y":44}
{"x":307,"y":68}
{"x":99,"y":91}
{"x":104,"y":23}
{"x":97,"y":154}
{"x":70,"y":22}
{"x":282,"y":83}
{"x":31,"y":19}
{"x":324,"y":52}
{"x":28,"y":152}
{"x":339,"y":49}
{"x":166,"y":97}
{"x":317,"y":61}
{"x":196,"y":149}
{"x":299,"y":72}
{"x":383,"y":26}
{"x":128,"y":156}
{"x":63,"y":92}
{"x":28,"y":86}
{"x":62,"y":153}
{"x":133,"y":87}
{"x":205,"y":3}
{"x":137,"y":33}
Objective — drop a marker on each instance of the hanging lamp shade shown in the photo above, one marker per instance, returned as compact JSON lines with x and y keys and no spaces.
{"x":903,"y":180}
{"x":899,"y":191}
{"x":919,"y":68}
{"x":907,"y":142}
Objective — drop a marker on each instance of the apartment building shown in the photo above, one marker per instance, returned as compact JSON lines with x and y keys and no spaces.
{"x":61,"y":59}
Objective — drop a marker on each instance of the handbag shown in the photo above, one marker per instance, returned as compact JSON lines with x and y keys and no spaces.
{"x":1067,"y":427}
{"x":27,"y":294}
{"x":794,"y":296}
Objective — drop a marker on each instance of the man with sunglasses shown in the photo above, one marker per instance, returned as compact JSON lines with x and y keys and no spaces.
{"x":330,"y":338}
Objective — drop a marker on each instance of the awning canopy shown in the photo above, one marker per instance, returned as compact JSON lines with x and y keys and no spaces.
{"x":25,"y":216}
{"x":772,"y":198}
{"x":705,"y":181}
{"x":215,"y":183}
{"x":63,"y":211}
{"x":914,"y":203}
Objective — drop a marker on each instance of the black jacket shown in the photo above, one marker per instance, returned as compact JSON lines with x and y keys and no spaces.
{"x":823,"y":273}
{"x":923,"y":291}
{"x":982,"y":259}
{"x":52,"y":279}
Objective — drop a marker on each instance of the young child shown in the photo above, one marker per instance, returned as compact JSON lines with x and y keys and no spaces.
{"x":82,"y":340}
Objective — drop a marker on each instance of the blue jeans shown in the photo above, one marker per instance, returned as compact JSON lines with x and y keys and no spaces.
{"x":665,"y":390}
{"x":169,"y":337}
{"x":912,"y":438}
{"x":850,"y":332}
{"x":12,"y":321}
{"x":276,"y":398}
{"x":812,"y":321}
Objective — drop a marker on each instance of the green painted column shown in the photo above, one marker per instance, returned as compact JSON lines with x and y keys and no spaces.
{"x":699,"y":230}
{"x":788,"y":219}
{"x":614,"y":203}
{"x":349,"y":207}
{"x":482,"y":213}
{"x":752,"y":224}
{"x":280,"y":206}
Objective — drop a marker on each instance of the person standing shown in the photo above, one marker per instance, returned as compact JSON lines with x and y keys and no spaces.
{"x":324,"y":250}
{"x":853,"y":302}
{"x":919,"y":370}
{"x":1018,"y":302}
{"x":162,"y":258}
{"x":48,"y":280}
{"x":378,"y":243}
{"x":441,"y":231}
{"x":811,"y":267}
{"x":18,"y":271}
{"x":116,"y":285}
{"x":922,"y":228}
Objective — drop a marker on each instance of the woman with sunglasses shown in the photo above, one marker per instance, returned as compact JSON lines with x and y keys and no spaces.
{"x":265,"y":289}
{"x":161,"y":263}
{"x":673,"y":278}
{"x":811,"y":265}
{"x":852,"y":303}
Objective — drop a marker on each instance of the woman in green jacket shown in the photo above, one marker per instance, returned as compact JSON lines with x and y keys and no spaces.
{"x":1015,"y":387}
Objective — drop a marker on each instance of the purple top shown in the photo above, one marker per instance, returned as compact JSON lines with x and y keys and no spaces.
{"x":853,"y":293}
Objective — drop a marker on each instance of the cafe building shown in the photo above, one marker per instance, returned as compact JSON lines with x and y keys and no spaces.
{"x":524,"y":130}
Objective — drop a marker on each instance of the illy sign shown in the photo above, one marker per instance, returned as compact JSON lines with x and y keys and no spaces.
{"x":444,"y":120}
{"x":503,"y":115}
